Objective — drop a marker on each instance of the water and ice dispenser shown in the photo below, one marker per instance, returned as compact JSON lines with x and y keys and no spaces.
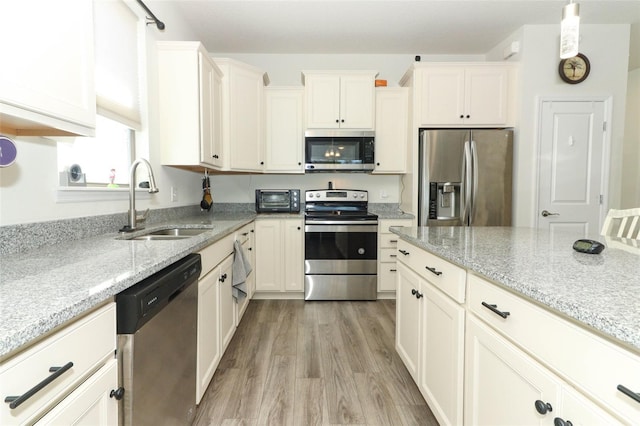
{"x":444,"y":200}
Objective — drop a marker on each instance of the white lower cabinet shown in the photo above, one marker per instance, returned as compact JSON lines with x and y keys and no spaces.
{"x":279,"y":255}
{"x":387,"y":253}
{"x":482,"y":355}
{"x":216,"y":310}
{"x":79,"y":360}
{"x":502,"y":383}
{"x":91,"y":404}
{"x":429,"y":340}
{"x":246,"y":236}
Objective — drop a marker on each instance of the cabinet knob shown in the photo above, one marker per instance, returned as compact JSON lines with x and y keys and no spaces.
{"x":223,"y":277}
{"x":543,"y":407}
{"x":342,"y":121}
{"x":262,"y":163}
{"x":299,"y":163}
{"x":468,"y":116}
{"x":418,"y":295}
{"x":377,"y":164}
{"x":118,"y":394}
{"x":559,"y":422}
{"x":298,"y":228}
{"x":414,"y":291}
{"x":461,"y":115}
{"x":337,"y":121}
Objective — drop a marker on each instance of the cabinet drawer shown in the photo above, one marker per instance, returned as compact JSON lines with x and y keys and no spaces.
{"x":244,"y":233}
{"x":445,"y":276}
{"x":387,"y":255}
{"x":86,"y":343}
{"x":215,"y":253}
{"x":590,"y":363}
{"x":387,"y":277}
{"x":388,"y":240}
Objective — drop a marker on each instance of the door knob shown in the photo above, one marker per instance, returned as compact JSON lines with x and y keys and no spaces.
{"x":546,"y":213}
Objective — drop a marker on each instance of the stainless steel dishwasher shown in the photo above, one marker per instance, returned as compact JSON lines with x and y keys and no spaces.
{"x":156,"y":323}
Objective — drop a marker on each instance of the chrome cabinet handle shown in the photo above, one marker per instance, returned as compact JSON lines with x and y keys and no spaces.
{"x":493,"y":309}
{"x":16,"y":401}
{"x":433,"y":270}
{"x":546,"y":213}
{"x":631,"y":394}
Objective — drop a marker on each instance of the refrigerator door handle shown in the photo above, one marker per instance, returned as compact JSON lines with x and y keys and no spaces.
{"x":466,"y":178}
{"x":474,"y":167}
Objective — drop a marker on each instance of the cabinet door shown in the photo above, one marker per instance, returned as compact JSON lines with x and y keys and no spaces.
{"x":293,"y":255}
{"x":268,"y":246}
{"x":408,"y":320}
{"x":323,"y":101}
{"x":47,"y":79}
{"x":357,"y":107}
{"x":226,"y":302}
{"x":441,"y":96}
{"x":210,"y":121}
{"x":502,"y":383}
{"x":486,"y":95}
{"x":245,"y":116}
{"x":209,"y":351}
{"x":442,"y":360}
{"x":392,"y":123}
{"x":90,"y":404}
{"x":284,"y":145}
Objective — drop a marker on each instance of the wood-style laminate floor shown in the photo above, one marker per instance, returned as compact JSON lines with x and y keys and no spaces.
{"x":314,"y":363}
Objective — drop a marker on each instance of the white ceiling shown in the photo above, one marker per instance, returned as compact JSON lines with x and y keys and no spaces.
{"x":425,"y":27}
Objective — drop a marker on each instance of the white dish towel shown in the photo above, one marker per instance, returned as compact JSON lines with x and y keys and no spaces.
{"x":240,"y":271}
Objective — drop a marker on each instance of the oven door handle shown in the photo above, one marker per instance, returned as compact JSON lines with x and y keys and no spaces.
{"x":341,"y":222}
{"x":333,"y":227}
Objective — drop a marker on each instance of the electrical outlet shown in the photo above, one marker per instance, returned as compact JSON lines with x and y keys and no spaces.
{"x":174,"y":194}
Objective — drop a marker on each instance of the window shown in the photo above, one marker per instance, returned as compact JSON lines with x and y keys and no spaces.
{"x":104,"y":159}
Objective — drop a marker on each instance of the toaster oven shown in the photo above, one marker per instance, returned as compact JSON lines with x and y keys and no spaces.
{"x":277,"y":200}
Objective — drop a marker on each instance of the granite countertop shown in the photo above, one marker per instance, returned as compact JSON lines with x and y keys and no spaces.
{"x":601,"y":291}
{"x":48,"y":286}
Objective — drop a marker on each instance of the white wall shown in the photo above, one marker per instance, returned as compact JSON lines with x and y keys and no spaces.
{"x":631,"y":150}
{"x":607,"y":47}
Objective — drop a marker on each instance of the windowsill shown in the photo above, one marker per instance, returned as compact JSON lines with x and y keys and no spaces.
{"x":73,"y":194}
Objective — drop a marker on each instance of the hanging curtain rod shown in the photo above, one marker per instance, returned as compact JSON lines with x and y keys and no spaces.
{"x":153,"y":18}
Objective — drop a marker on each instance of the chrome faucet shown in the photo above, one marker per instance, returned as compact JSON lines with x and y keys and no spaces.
{"x":133,"y":215}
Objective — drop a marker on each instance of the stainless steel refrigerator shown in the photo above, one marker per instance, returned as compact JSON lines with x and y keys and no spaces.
{"x":465,"y":177}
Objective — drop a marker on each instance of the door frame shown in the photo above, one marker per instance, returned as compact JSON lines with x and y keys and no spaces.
{"x":606,"y":149}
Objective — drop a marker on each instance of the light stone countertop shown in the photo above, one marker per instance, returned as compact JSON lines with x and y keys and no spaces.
{"x":602,"y":292}
{"x":44,"y":288}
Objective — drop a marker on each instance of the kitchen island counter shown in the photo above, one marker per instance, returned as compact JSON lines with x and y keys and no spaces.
{"x":45,"y":287}
{"x":601,"y":292}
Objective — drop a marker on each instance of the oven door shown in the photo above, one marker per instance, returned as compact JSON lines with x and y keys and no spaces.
{"x":341,"y":248}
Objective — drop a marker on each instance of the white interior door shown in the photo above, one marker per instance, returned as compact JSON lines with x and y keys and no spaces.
{"x":571,"y":166}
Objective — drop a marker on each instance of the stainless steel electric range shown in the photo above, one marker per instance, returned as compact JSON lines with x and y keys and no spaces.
{"x":341,"y":246}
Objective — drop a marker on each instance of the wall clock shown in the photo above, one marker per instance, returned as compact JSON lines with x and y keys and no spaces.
{"x":8,"y":152}
{"x":574,"y":70}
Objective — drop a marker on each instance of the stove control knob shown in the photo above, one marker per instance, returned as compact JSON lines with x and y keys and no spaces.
{"x":318,"y":194}
{"x":355,"y":195}
{"x":310,"y":195}
{"x":361,"y":195}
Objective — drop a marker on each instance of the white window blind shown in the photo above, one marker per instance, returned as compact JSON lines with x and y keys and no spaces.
{"x":116,"y":58}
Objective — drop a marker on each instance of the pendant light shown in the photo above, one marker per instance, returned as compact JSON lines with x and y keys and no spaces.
{"x":570,"y":30}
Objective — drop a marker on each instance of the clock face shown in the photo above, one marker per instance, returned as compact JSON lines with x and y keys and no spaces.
{"x":574,"y":70}
{"x":8,"y":152}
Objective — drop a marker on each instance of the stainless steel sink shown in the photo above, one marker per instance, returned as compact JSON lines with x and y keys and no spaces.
{"x":168,"y":234}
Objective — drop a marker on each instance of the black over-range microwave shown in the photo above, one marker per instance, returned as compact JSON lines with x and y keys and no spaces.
{"x":339,"y":150}
{"x":277,"y":200}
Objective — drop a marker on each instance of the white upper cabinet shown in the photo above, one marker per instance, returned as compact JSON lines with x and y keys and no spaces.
{"x":463,"y":95}
{"x":392,"y":129}
{"x":340,"y":99}
{"x":189,"y":106}
{"x":242,"y":115}
{"x":47,"y":79}
{"x":284,"y":141}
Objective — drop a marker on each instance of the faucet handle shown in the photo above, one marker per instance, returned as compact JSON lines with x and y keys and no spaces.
{"x":142,"y":217}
